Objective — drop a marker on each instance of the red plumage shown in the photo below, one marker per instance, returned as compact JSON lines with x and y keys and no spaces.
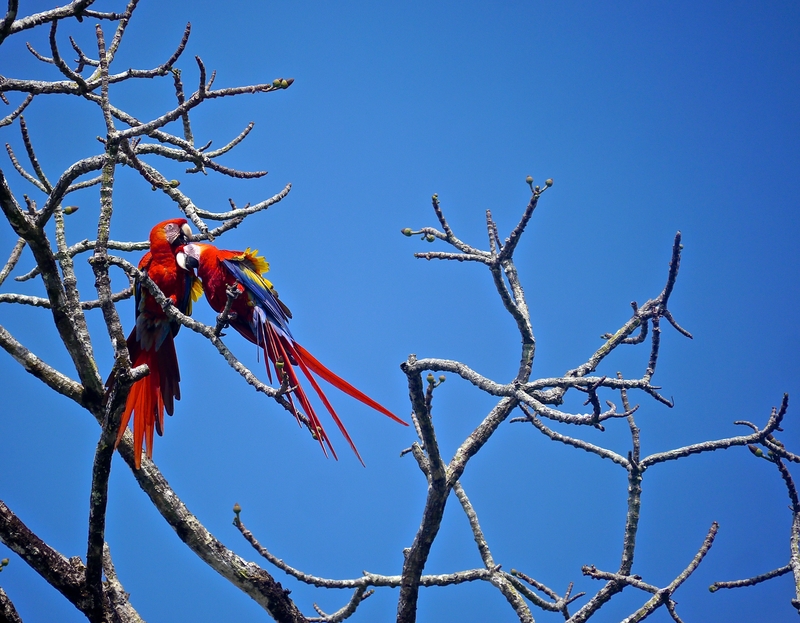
{"x":151,"y":341}
{"x":259,"y":316}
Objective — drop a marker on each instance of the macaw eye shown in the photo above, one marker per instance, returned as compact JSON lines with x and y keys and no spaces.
{"x":192,"y":252}
{"x":171,"y":232}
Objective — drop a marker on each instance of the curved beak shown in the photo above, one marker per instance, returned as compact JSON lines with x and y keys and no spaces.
{"x":186,"y":234}
{"x":186,"y":262}
{"x":189,"y":257}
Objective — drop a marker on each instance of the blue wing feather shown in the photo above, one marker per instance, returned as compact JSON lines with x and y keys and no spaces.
{"x":261,"y":294}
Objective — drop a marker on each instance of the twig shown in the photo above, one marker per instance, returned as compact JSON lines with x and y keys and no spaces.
{"x":16,"y":253}
{"x":576,"y":443}
{"x":499,"y":580}
{"x":513,"y":238}
{"x":243,"y":212}
{"x":246,"y":576}
{"x":664,"y":595}
{"x":122,"y":23}
{"x":720,"y":444}
{"x":88,"y":245}
{"x":62,"y":66}
{"x":26,"y":139}
{"x":15,"y":162}
{"x":757,"y":579}
{"x":360,"y":594}
{"x":9,"y":118}
{"x":187,"y":127}
{"x":367,"y":579}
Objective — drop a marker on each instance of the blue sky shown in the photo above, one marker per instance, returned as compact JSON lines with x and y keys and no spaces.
{"x":651,"y":118}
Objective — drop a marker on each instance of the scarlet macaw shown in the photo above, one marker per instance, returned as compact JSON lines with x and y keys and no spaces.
{"x":263,"y":319}
{"x":151,"y":341}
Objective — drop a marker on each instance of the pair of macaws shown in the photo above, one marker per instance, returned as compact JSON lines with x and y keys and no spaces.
{"x":256,"y":313}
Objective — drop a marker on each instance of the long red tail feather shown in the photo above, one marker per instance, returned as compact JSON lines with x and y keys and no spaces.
{"x":261,"y":318}
{"x":146,"y":401}
{"x":302,"y":364}
{"x":279,"y":347}
{"x":278,"y":351}
{"x":338,"y":382}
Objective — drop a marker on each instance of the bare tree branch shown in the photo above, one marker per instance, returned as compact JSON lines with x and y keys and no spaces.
{"x":757,"y":579}
{"x":8,"y":613}
{"x":73,"y":9}
{"x":9,"y":118}
{"x":35,"y":366}
{"x":16,"y":253}
{"x":140,"y":144}
{"x":59,"y":572}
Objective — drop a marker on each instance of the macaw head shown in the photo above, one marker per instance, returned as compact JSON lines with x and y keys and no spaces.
{"x":208,"y":259}
{"x":172,"y":234}
{"x":171,"y":237}
{"x":192,"y":253}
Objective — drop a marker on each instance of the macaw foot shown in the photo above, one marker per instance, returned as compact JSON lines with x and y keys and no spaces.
{"x":224,"y":319}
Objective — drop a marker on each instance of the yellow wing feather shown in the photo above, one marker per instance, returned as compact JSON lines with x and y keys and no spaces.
{"x":197,"y":289}
{"x":255,"y":265}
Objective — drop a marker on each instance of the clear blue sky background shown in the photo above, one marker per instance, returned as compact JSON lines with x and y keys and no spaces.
{"x":650,"y":117}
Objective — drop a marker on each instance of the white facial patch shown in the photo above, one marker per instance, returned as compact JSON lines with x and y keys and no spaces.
{"x":180,"y":258}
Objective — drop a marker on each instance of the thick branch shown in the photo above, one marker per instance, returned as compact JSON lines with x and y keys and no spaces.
{"x":8,"y":613}
{"x":35,"y":366}
{"x":72,"y":9}
{"x":246,"y":576}
{"x":417,"y":554}
{"x":59,"y":572}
